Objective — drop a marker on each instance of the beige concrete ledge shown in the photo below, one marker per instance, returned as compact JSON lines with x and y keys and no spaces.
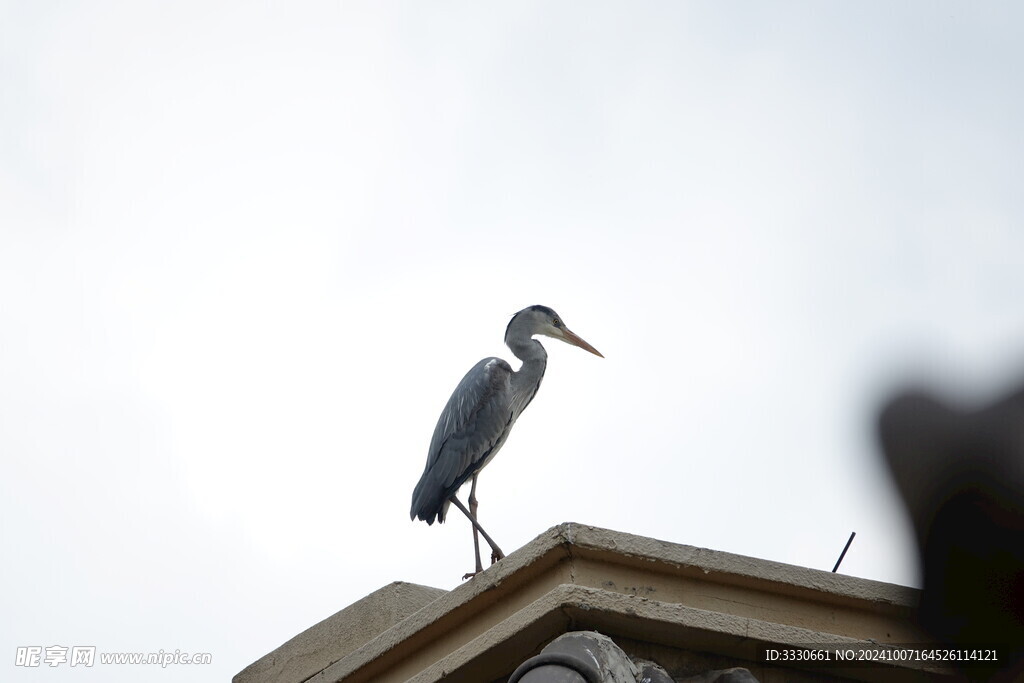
{"x":687,"y":604}
{"x":320,"y":645}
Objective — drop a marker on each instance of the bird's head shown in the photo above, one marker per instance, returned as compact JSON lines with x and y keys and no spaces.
{"x":543,"y":320}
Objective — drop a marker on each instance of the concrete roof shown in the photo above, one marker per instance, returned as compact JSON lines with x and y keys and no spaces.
{"x":340,"y":634}
{"x":671,"y":598}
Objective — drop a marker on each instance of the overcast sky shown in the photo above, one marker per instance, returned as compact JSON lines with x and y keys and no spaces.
{"x":247,"y":250}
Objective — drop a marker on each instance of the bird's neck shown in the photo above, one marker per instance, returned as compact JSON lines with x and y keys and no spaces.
{"x":526,"y":380}
{"x":530,"y":351}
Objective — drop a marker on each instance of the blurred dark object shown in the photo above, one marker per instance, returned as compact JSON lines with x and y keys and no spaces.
{"x":960,"y":474}
{"x":591,"y":657}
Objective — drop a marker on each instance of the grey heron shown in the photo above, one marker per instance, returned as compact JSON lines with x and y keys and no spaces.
{"x":480,"y":413}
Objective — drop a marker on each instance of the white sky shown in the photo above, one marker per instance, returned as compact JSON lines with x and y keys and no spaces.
{"x":247,"y":250}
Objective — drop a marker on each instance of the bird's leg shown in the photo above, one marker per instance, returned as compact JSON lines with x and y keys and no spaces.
{"x":495,"y":550}
{"x":496,"y":553}
{"x":476,"y":537}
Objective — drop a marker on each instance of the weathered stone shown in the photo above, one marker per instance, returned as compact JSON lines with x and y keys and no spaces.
{"x":733,"y":675}
{"x":652,"y":673}
{"x":338,"y":635}
{"x":581,"y":656}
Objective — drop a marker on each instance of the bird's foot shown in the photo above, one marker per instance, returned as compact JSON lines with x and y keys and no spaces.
{"x":469,"y":575}
{"x":497,"y":555}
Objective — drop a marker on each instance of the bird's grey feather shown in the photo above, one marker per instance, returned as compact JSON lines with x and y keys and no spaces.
{"x":471,"y":429}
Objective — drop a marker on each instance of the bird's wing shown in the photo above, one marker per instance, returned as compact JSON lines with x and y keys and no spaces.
{"x":472,"y":425}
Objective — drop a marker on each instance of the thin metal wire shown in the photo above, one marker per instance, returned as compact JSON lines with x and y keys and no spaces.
{"x":843,"y":554}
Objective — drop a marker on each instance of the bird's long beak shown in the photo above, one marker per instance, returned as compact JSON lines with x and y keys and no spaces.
{"x":574,"y":339}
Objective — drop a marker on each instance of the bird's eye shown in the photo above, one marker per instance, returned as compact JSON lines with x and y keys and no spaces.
{"x":556,"y":322}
